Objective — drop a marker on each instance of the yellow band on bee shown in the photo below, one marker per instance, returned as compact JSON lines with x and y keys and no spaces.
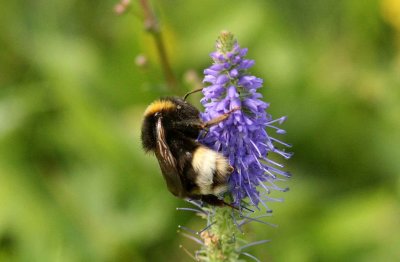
{"x":157,"y":106}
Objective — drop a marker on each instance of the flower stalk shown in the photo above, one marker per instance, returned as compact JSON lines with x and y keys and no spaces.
{"x":221,"y":239}
{"x":152,"y":26}
{"x":244,"y":138}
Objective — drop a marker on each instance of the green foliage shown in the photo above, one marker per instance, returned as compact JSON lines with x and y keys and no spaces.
{"x":76,"y":186}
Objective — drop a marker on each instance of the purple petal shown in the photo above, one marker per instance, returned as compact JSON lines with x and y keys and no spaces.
{"x":232,"y":92}
{"x":222,"y":79}
{"x":209,"y":79}
{"x":246,"y":64}
{"x":211,"y":72}
{"x":234,"y":73}
{"x":217,"y":67}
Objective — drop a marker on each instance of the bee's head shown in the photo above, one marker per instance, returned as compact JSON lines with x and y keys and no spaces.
{"x":152,"y":114}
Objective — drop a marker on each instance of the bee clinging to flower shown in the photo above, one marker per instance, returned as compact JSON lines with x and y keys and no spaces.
{"x":191,"y":170}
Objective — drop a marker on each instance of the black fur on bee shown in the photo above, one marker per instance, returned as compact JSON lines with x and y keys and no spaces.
{"x":191,"y":170}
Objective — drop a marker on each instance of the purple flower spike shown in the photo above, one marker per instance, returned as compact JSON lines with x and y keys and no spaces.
{"x":244,"y":137}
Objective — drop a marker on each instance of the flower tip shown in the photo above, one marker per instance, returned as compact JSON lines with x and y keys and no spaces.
{"x":287,"y":175}
{"x":225,"y":42}
{"x":282,"y":119}
{"x":281,"y":131}
{"x":288,"y":155}
{"x":225,"y":35}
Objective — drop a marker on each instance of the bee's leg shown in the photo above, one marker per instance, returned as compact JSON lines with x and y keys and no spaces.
{"x":231,"y":206}
{"x":219,"y":119}
{"x":215,"y":201}
{"x":237,"y":208}
{"x":196,"y":124}
{"x":212,"y":200}
{"x":204,"y":133}
{"x":191,"y":92}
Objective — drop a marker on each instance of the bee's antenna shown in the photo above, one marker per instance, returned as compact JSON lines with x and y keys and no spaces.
{"x":191,"y":92}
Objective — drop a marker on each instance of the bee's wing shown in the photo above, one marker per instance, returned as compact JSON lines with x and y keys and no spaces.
{"x":168,"y":162}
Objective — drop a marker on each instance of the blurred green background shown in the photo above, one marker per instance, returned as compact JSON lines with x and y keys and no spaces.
{"x":75,"y":184}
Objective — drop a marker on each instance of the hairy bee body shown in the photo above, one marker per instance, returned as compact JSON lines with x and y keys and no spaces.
{"x":191,"y":170}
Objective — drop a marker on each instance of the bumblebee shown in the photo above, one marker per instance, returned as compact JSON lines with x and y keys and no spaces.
{"x":191,"y":170}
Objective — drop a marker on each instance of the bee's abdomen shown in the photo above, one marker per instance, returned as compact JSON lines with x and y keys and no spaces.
{"x":212,"y":170}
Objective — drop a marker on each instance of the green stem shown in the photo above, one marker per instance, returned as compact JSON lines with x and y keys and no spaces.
{"x":220,"y":241}
{"x":152,"y":26}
